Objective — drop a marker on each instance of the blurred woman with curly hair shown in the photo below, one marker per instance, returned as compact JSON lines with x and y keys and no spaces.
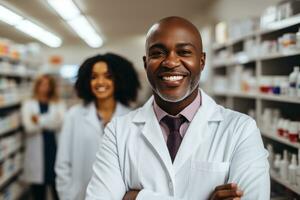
{"x":107,"y":84}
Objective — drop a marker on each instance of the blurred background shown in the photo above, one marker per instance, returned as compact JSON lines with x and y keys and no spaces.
{"x":253,"y":51}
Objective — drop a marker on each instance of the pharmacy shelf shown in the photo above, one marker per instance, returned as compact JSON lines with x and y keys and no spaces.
{"x":235,"y":94}
{"x":279,"y":25}
{"x":285,"y":183}
{"x":232,"y":63}
{"x":8,"y":130}
{"x":217,"y":46}
{"x":272,"y":27}
{"x":253,"y":59}
{"x":269,"y":97}
{"x":16,"y":75}
{"x":273,"y":136}
{"x":6,"y":181}
{"x":280,"y":55}
{"x":220,"y":65}
{"x":10,"y":104}
{"x":17,"y":150}
{"x":279,"y":98}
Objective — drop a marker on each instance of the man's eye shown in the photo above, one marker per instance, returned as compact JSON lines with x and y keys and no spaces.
{"x":156,"y":54}
{"x":184,"y":52}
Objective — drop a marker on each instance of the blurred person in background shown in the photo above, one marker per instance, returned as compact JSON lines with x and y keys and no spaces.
{"x":107,"y":84}
{"x":41,"y":117}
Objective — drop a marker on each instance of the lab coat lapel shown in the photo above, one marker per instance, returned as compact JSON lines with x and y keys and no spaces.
{"x":153,"y":134}
{"x":197,"y":131}
{"x":91,"y":116}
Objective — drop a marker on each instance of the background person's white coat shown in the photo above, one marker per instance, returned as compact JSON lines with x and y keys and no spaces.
{"x":220,"y":146}
{"x":78,"y":144}
{"x":34,"y":149}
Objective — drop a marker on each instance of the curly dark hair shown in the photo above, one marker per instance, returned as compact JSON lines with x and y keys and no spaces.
{"x":123,"y":74}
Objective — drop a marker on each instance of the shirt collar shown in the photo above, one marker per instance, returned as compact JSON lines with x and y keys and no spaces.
{"x":188,"y":112}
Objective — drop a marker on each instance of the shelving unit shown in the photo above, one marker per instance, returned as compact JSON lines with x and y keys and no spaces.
{"x":274,"y":137}
{"x":259,"y":96}
{"x":18,"y":150}
{"x":10,"y":104}
{"x":262,"y":66}
{"x":16,"y":78}
{"x":9,"y":178}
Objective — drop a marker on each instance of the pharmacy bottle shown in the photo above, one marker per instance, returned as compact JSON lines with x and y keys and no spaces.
{"x":293,"y":131}
{"x":284,"y":165}
{"x":276,"y":165}
{"x":285,"y":126}
{"x":280,"y":130}
{"x":293,"y":170}
{"x":293,"y":81}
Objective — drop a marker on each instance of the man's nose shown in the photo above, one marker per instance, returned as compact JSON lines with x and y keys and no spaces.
{"x":171,"y":61}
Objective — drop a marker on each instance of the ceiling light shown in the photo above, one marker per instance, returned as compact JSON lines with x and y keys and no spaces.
{"x":65,"y":8}
{"x":71,"y":14}
{"x":28,"y":27}
{"x":9,"y":17}
{"x":84,"y":29}
{"x":39,"y":33}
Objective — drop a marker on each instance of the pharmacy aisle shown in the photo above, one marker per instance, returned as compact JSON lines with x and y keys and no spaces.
{"x":255,"y":70}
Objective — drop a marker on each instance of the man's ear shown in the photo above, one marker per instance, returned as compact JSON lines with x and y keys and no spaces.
{"x":202,"y":60}
{"x":144,"y":61}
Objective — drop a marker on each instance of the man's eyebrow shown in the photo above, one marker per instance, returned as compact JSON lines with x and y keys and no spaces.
{"x":162,"y":46}
{"x":158,"y":45}
{"x":185,"y":45}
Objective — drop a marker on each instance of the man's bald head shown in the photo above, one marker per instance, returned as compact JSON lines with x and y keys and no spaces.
{"x":174,"y":23}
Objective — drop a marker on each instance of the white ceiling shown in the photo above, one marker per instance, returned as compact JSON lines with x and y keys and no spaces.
{"x":114,"y":19}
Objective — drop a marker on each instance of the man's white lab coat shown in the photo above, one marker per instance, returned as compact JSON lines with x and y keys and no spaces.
{"x":220,"y":146}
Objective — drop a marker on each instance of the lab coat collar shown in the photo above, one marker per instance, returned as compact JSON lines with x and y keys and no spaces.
{"x":208,"y":104}
{"x":209,"y":111}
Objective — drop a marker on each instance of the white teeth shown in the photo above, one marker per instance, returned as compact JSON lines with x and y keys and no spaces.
{"x":172,"y":78}
{"x":101,"y":89}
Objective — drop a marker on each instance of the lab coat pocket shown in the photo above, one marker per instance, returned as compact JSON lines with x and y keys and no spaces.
{"x":205,"y":176}
{"x":210,"y":166}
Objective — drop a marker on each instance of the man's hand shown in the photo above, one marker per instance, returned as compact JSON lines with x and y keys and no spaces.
{"x":131,"y":195}
{"x":227,"y":192}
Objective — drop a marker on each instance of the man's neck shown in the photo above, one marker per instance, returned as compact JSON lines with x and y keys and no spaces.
{"x":173,"y":108}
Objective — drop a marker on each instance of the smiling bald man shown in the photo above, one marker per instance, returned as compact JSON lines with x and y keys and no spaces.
{"x":180,"y":145}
